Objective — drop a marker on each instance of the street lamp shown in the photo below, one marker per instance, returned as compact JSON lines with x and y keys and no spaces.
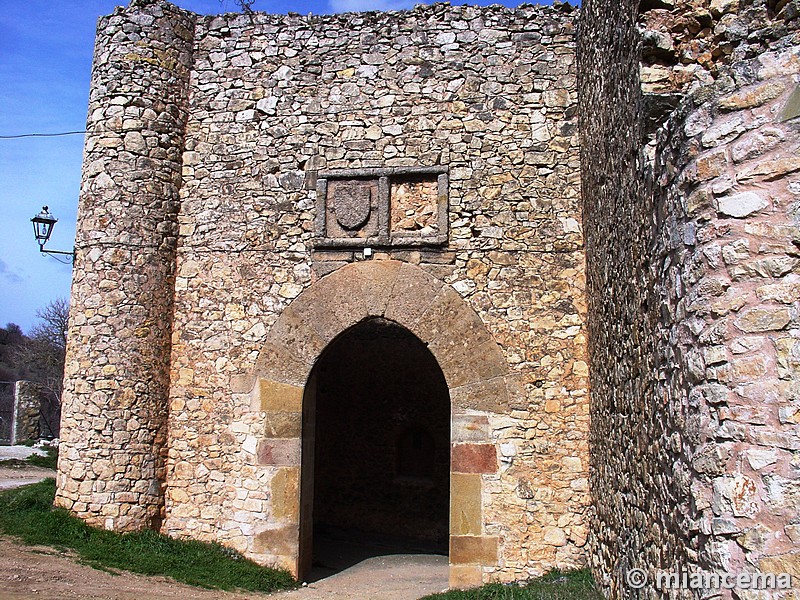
{"x":42,"y":228}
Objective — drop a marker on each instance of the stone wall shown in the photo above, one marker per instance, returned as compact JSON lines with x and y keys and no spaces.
{"x":693,"y":338}
{"x":276,"y":102}
{"x":27,"y":412}
{"x":111,"y":459}
{"x":277,"y":110}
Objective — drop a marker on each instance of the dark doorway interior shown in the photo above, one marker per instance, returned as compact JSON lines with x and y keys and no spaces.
{"x":381,"y":427}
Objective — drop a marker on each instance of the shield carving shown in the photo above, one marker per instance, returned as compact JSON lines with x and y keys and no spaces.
{"x":352,"y":203}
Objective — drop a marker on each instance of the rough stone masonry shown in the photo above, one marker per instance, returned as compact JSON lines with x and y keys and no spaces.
{"x":257,"y":187}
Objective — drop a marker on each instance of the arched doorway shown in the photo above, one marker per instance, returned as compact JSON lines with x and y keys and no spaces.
{"x":284,"y":385}
{"x":376,"y":450}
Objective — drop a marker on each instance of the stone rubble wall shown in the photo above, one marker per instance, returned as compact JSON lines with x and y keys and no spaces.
{"x":27,"y":411}
{"x":703,"y":332}
{"x":488,"y":92}
{"x":111,"y":463}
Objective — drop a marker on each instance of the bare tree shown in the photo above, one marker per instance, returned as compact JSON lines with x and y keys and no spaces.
{"x":245,"y":5}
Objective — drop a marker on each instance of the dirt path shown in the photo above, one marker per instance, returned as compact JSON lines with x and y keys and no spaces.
{"x":11,"y":477}
{"x":39,"y":573}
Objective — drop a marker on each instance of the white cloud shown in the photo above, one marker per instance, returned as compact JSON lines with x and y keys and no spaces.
{"x":9,"y":275}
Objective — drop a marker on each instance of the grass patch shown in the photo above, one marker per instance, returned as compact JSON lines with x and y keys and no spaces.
{"x":27,"y":512}
{"x":46,"y":461}
{"x":556,"y":585}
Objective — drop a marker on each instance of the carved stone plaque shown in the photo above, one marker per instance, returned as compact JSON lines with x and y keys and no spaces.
{"x":352,"y":202}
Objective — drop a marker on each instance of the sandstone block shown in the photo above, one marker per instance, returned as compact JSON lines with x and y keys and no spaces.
{"x":491,"y":396}
{"x":465,"y":504}
{"x":412,"y":294}
{"x":465,"y":576}
{"x":470,"y":428}
{"x":283,"y":424}
{"x":285,"y":495}
{"x":274,"y":396}
{"x":473,"y":550}
{"x":292,"y":330}
{"x":281,"y":540}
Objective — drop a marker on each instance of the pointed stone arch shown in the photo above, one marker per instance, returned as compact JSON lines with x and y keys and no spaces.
{"x":473,"y":365}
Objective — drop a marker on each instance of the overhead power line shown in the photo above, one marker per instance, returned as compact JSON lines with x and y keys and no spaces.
{"x":29,"y":135}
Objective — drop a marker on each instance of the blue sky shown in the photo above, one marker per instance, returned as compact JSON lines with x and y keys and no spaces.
{"x":45,"y":63}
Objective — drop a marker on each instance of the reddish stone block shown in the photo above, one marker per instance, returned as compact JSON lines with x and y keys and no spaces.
{"x":474,"y":458}
{"x":283,"y":452}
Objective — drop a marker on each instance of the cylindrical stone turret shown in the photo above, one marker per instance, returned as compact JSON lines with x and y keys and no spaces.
{"x":111,"y":465}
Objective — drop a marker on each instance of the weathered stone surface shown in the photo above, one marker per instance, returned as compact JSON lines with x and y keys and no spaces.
{"x":283,"y":424}
{"x":763,"y":319}
{"x":465,"y":509}
{"x":285,"y":495}
{"x":256,"y":297}
{"x":273,"y":396}
{"x":678,"y":376}
{"x":787,"y":293}
{"x":741,"y":205}
{"x":754,"y":96}
{"x":470,"y":428}
{"x":199,"y":270}
{"x":281,"y":541}
{"x":465,"y":576}
{"x":412,"y":294}
{"x":278,"y":452}
{"x":474,"y":458}
{"x":278,"y":363}
{"x":124,"y":279}
{"x":491,"y":395}
{"x":467,"y":550}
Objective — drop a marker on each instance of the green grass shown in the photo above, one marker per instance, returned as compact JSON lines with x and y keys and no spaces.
{"x":556,"y":585}
{"x":27,"y":512}
{"x":48,"y":461}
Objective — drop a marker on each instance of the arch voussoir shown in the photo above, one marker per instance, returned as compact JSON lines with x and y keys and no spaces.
{"x":414,"y":291}
{"x":465,"y":364}
{"x":489,"y":395}
{"x":375,"y":280}
{"x":277,"y":362}
{"x":294,"y":331}
{"x":472,"y":362}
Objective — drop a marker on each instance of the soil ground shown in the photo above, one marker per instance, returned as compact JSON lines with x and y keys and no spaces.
{"x":40,"y":573}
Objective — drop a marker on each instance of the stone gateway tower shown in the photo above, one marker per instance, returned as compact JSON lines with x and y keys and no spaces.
{"x":357,"y":272}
